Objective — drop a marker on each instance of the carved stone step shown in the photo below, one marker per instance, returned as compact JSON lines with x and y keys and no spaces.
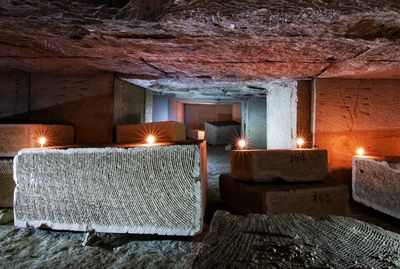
{"x":313,"y":199}
{"x":144,"y":190}
{"x":376,"y":183}
{"x":292,"y":165}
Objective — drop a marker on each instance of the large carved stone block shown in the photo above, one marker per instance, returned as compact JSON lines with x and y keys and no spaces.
{"x":144,"y":190}
{"x":14,"y":137}
{"x":221,"y":132}
{"x":313,"y":199}
{"x":6,"y":182}
{"x":376,"y":183}
{"x":165,"y":131}
{"x":292,"y":165}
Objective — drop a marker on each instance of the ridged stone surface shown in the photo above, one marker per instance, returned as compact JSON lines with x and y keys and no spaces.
{"x":145,"y":190}
{"x":14,"y":137}
{"x":296,"y":241}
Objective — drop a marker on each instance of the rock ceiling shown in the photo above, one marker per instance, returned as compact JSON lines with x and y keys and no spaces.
{"x":203,"y":39}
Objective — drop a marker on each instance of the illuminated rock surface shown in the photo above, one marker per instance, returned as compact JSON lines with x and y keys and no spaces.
{"x":296,"y":241}
{"x":206,"y":39}
{"x":376,"y":183}
{"x":143,"y":190}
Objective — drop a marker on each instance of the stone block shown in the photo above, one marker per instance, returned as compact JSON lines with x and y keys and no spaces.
{"x":376,"y":183}
{"x":313,"y":199}
{"x":196,"y":134}
{"x":14,"y":137}
{"x":141,"y":190}
{"x":291,"y":165}
{"x":6,"y":182}
{"x":165,"y":131}
{"x":221,"y":132}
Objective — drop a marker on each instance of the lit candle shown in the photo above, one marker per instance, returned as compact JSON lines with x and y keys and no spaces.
{"x":300,"y":142}
{"x":360,"y":152}
{"x":241,"y":143}
{"x":42,"y":141}
{"x":150,"y":139}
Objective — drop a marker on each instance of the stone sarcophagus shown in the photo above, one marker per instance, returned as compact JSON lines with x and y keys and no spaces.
{"x":376,"y":183}
{"x":158,"y":189}
{"x":14,"y":137}
{"x":291,"y":165}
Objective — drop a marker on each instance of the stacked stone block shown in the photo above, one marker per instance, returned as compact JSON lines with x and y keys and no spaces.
{"x":282,"y":181}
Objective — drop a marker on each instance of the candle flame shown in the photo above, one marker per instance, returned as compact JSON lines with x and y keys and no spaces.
{"x":42,"y":141}
{"x":300,"y":142}
{"x":360,"y":151}
{"x":241,"y":143}
{"x":150,"y":139}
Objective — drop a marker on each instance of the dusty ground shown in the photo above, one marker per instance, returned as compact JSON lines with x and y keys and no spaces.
{"x":33,"y":248}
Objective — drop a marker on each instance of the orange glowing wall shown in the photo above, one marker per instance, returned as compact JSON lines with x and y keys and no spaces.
{"x":352,"y":113}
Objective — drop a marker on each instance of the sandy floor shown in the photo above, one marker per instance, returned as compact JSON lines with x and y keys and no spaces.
{"x":34,"y":248}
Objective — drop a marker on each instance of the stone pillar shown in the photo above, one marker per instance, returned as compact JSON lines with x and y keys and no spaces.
{"x":282,"y":115}
{"x":148,"y":106}
{"x":160,"y":108}
{"x":129,"y":103}
{"x":254,"y":122}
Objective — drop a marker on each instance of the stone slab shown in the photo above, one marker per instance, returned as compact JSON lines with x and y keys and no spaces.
{"x":141,"y":190}
{"x":376,"y":183}
{"x":14,"y":137}
{"x":6,"y":182}
{"x":313,"y":199}
{"x":165,"y":131}
{"x":221,"y":132}
{"x":296,"y":241}
{"x":292,"y":165}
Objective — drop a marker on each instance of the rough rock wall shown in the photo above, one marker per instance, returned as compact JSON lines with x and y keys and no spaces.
{"x":207,"y":38}
{"x":146,"y":190}
{"x":357,"y":113}
{"x":82,"y":100}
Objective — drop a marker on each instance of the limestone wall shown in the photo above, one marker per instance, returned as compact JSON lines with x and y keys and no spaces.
{"x":352,"y":113}
{"x":146,"y":190}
